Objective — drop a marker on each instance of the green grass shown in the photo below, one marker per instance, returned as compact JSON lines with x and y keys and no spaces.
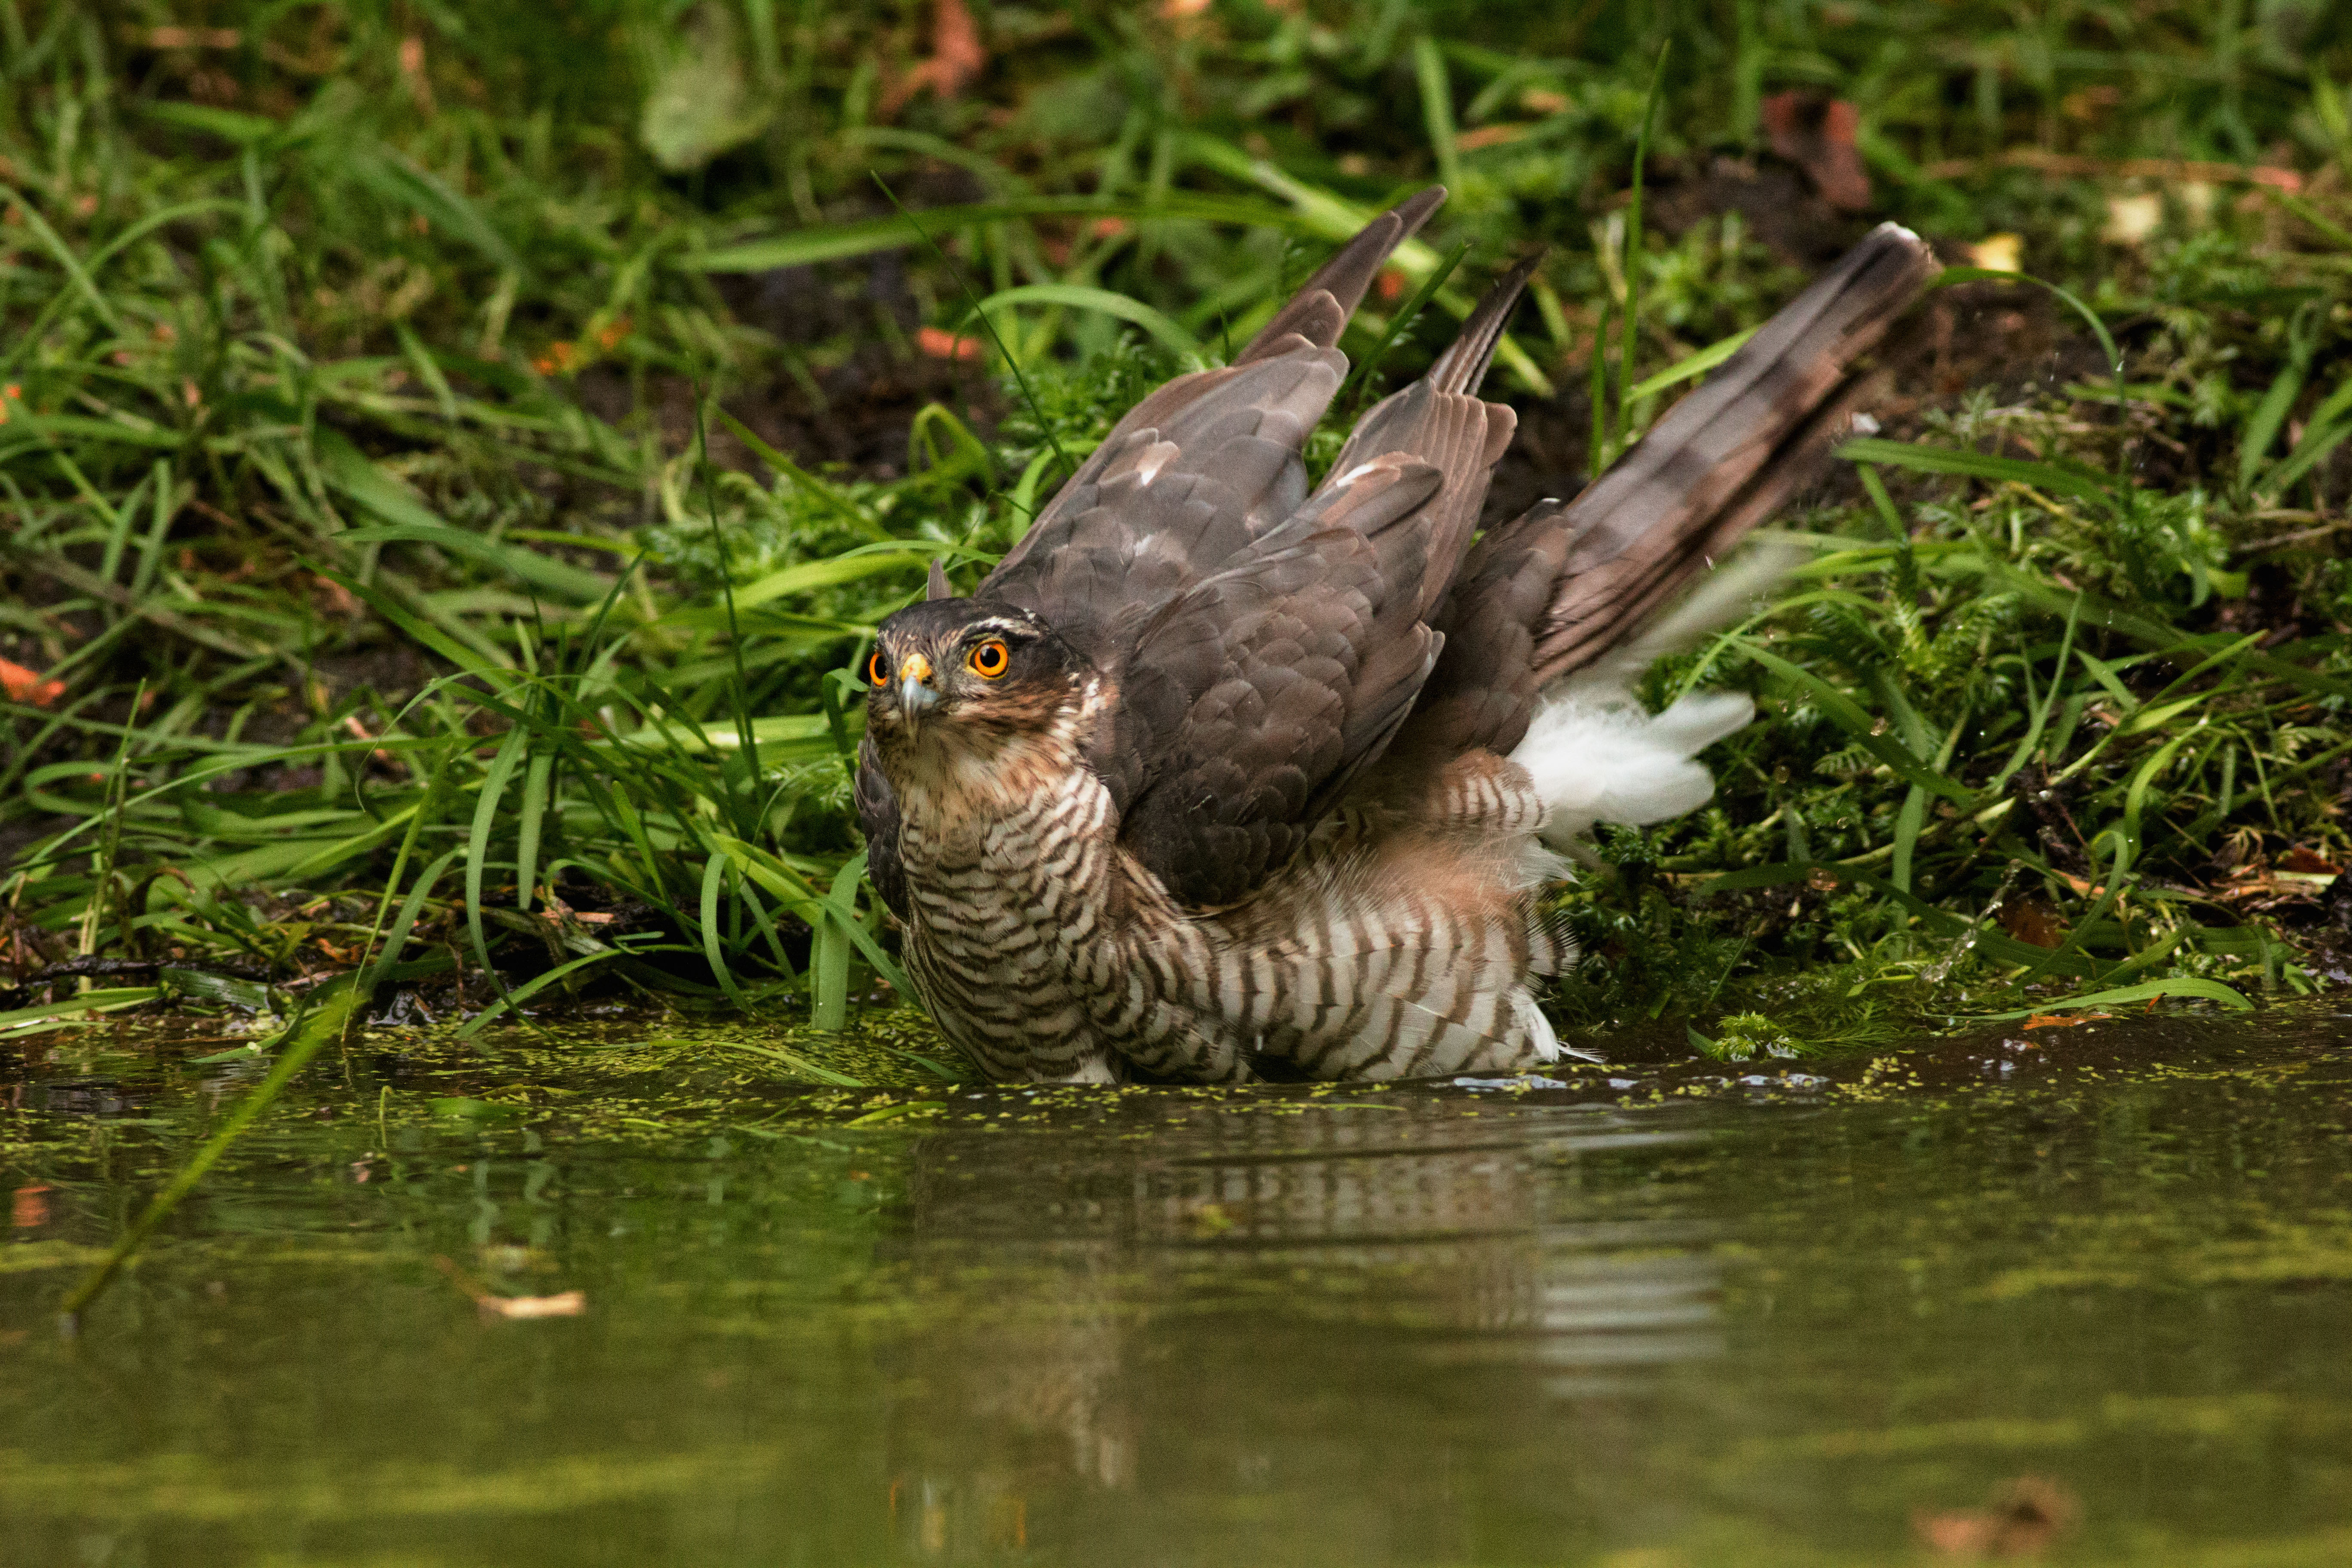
{"x":360,"y":362}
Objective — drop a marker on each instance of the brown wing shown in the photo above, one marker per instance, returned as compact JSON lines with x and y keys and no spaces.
{"x":1441,"y":420}
{"x":1257,"y":697}
{"x":1260,"y":691}
{"x":1200,"y":468}
{"x":1561,"y":586}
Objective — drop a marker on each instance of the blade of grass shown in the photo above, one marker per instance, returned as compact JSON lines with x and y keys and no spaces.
{"x":514,"y":999}
{"x":395,"y":940}
{"x":1633,"y":322}
{"x":510,"y":753}
{"x":323,"y":1020}
{"x":829,"y":960}
{"x":106,"y":1001}
{"x":535,"y":785}
{"x":1682,"y":369}
{"x":1598,"y":457}
{"x":2147,"y":991}
{"x":2040,"y":711}
{"x":1907,"y":823}
{"x":2269,"y":415}
{"x":835,"y":242}
{"x":1351,"y":395}
{"x":738,"y":693}
{"x":2329,"y":424}
{"x":2057,"y":479}
{"x":1849,"y":716}
{"x":798,"y":1063}
{"x":1080,"y":297}
{"x":714,"y":883}
{"x":1437,"y":109}
{"x":841,"y":505}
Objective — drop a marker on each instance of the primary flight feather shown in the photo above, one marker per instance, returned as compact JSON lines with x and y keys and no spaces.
{"x":1214,"y":776}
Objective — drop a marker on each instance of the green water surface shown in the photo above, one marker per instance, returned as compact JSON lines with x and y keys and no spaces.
{"x":1650,"y":1316}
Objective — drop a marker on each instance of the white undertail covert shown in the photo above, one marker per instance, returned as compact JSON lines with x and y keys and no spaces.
{"x":1597,"y":755}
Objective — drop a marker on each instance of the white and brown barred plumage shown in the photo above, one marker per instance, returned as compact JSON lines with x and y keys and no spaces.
{"x":1214,"y":776}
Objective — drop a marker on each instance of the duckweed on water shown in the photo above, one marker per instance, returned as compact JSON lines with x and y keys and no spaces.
{"x":1815,"y":1309}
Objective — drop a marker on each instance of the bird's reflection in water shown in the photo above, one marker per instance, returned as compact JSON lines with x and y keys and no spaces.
{"x":1190,"y":1307}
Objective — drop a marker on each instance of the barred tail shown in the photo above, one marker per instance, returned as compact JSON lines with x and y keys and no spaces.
{"x":1557,"y":612}
{"x":1575,"y":586}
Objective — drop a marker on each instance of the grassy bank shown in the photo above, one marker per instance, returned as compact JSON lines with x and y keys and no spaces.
{"x":453,"y":460}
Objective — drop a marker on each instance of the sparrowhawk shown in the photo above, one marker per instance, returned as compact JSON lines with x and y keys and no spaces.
{"x":1217,"y":775}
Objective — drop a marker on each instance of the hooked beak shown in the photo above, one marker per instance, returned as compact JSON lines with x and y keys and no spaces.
{"x":915,"y":693}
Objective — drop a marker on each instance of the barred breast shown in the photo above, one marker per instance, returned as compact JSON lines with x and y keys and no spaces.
{"x":1400,"y":943}
{"x":1002,"y":914}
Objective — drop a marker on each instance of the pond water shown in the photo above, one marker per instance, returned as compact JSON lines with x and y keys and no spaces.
{"x":2086,"y":1292}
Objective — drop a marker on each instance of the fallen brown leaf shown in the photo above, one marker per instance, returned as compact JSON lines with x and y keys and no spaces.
{"x":1490,"y":136}
{"x":2021,"y":1521}
{"x":957,"y":57}
{"x":939,"y":343}
{"x":2300,"y":875}
{"x":26,"y":686}
{"x":172,"y":38}
{"x":412,"y":72}
{"x":1818,"y":135}
{"x":2032,"y":922}
{"x":2309,"y":863}
{"x":31,"y":1206}
{"x":339,"y":599}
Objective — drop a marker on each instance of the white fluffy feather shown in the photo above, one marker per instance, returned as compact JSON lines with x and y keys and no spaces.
{"x":1614,"y":762}
{"x":1597,"y":755}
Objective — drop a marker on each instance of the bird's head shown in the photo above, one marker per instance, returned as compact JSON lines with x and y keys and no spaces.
{"x":961,"y":681}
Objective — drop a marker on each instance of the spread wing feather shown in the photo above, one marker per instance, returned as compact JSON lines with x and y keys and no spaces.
{"x":1319,"y":312}
{"x":1279,"y":675}
{"x":1560,"y":586}
{"x":1103,"y":549}
{"x":1725,"y":456}
{"x":1262,"y":695}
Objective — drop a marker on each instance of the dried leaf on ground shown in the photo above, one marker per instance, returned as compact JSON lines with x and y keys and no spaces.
{"x":567,"y":1304}
{"x":957,"y":58}
{"x":2023,"y":1518}
{"x":2032,"y":922}
{"x":1818,"y":135}
{"x":28,"y":686}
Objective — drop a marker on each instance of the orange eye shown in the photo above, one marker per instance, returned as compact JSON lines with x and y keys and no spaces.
{"x":990,"y":660}
{"x":878,"y":669}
